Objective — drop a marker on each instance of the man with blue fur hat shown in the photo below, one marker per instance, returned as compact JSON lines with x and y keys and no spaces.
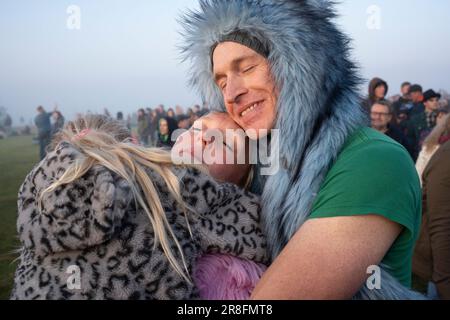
{"x":284,"y":65}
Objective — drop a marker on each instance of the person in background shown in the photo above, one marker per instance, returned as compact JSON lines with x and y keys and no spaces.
{"x":197,"y":110}
{"x":438,"y":136}
{"x":192,"y":116}
{"x":179,"y":111}
{"x":170,"y":113}
{"x":129,"y":121}
{"x":171,"y":119}
{"x":403,"y":105}
{"x":421,"y":124}
{"x":183,"y":122}
{"x":142,"y":127}
{"x":160,"y":111}
{"x":164,"y":135}
{"x":58,"y":122}
{"x":44,"y":127}
{"x":121,"y":119}
{"x":381,"y":115}
{"x":153,"y":127}
{"x":378,"y":89}
{"x":431,"y":261}
{"x":416,"y":95}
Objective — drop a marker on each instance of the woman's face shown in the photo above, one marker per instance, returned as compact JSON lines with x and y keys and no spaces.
{"x":216,"y":141}
{"x":380,"y":91}
{"x":163,"y":127}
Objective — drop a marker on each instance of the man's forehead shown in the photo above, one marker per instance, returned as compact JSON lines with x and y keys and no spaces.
{"x":229,"y":53}
{"x":380,"y":107}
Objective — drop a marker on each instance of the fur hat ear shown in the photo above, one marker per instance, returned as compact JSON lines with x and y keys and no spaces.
{"x":82,"y":214}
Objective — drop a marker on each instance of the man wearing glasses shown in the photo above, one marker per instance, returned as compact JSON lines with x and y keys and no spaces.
{"x":381,"y":120}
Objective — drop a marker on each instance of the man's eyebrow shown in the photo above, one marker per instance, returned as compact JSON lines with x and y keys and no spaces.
{"x":234,"y":63}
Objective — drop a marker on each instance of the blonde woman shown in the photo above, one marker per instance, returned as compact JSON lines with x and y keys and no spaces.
{"x":437,"y":137}
{"x":103,"y":218}
{"x":221,"y":276}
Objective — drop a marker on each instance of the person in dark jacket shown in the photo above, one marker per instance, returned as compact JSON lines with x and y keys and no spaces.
{"x":417,"y":99}
{"x":44,"y":127}
{"x":403,"y":104}
{"x":421,"y":124}
{"x":142,"y":128}
{"x":381,"y":115}
{"x":431,"y":262}
{"x":378,"y":89}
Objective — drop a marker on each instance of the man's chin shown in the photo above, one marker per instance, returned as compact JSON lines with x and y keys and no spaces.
{"x":257,"y":134}
{"x":257,"y":131}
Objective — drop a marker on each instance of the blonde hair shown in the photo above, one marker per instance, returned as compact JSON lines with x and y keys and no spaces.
{"x":104,"y":141}
{"x":433,"y":138}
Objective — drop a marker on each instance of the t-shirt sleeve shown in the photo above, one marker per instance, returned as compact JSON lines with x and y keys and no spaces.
{"x":377,"y":178}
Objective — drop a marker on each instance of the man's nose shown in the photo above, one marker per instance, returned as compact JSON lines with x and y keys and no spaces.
{"x":234,"y":90}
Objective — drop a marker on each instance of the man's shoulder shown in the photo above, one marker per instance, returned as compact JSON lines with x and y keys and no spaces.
{"x":369,"y":141}
{"x":369,"y":152}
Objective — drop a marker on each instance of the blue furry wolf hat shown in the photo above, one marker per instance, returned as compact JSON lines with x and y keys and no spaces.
{"x":318,"y":105}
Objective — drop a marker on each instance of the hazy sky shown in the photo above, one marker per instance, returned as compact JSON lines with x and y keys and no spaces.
{"x":125,"y":57}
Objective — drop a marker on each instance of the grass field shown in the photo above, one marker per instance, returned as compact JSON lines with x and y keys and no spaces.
{"x":18,"y":155}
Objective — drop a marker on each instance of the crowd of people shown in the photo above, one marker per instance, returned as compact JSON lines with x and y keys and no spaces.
{"x":417,"y":120}
{"x":154,"y":127}
{"x":420,"y":121}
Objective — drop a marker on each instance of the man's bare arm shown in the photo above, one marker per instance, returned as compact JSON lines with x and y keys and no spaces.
{"x":328,"y":258}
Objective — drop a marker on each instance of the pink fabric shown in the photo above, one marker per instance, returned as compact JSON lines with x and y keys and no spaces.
{"x":222,"y":277}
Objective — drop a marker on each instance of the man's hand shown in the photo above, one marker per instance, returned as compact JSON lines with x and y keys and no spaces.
{"x":328,"y":259}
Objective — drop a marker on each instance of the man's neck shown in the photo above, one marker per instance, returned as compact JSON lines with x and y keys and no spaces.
{"x":383,"y":130}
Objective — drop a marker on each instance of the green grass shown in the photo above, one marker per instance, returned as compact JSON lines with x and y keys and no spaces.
{"x":18,"y":155}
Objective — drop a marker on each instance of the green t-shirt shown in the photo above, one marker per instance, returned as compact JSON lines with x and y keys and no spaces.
{"x":375,"y":175}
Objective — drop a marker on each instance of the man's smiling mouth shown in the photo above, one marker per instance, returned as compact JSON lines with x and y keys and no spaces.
{"x":251,"y":108}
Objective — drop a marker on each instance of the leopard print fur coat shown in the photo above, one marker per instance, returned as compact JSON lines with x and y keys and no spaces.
{"x":93,"y":229}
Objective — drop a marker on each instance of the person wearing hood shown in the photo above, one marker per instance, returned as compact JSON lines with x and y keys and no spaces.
{"x":165,"y":131}
{"x":282,"y":68}
{"x":378,"y":89}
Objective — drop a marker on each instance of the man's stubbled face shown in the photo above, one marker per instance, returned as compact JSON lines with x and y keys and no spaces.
{"x":249,"y":91}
